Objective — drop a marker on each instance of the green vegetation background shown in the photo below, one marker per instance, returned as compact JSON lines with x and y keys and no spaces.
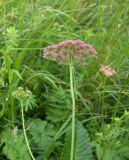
{"x":26,"y":27}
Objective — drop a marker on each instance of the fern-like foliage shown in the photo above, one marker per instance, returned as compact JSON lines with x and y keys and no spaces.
{"x":14,"y":146}
{"x":83,"y":150}
{"x":42,"y":134}
{"x":59,"y":103}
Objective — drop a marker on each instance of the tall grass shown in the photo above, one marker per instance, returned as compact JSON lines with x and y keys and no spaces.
{"x":26,"y":27}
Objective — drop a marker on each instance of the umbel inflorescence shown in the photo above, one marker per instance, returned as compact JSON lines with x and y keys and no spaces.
{"x":107,"y":71}
{"x":21,"y":94}
{"x":68,"y":50}
{"x":25,"y":96}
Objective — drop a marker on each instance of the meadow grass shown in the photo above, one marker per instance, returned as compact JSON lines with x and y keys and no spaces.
{"x":28,"y":26}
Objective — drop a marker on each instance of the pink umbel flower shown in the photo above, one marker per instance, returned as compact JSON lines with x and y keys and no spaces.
{"x":74,"y":50}
{"x":106,"y":70}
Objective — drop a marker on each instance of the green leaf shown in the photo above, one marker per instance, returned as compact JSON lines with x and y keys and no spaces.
{"x":8,"y":60}
{"x":65,"y":155}
{"x":11,"y":73}
{"x":99,"y":151}
{"x":10,"y":76}
{"x":2,"y":83}
{"x":17,"y":73}
{"x":60,"y":105}
{"x":15,"y":147}
{"x":109,"y":154}
{"x":83,"y":150}
{"x":43,"y":134}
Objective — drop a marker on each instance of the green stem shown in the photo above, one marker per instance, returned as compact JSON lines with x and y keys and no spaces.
{"x":73,"y":112}
{"x":24,"y":131}
{"x":13,"y":110}
{"x":60,"y":132}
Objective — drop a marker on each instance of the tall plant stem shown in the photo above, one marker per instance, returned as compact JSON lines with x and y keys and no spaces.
{"x":24,"y":131}
{"x":73,"y":112}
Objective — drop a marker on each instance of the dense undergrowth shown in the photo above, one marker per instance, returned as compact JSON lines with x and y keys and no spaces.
{"x":35,"y":98}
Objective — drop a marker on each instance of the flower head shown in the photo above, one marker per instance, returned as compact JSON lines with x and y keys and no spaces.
{"x":106,"y":70}
{"x":69,"y":49}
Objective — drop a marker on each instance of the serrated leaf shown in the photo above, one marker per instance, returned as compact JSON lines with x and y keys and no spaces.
{"x":43,"y":134}
{"x":83,"y":150}
{"x":60,"y":105}
{"x":15,"y":147}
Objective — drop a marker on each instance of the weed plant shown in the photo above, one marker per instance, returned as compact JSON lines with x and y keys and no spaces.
{"x":35,"y":97}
